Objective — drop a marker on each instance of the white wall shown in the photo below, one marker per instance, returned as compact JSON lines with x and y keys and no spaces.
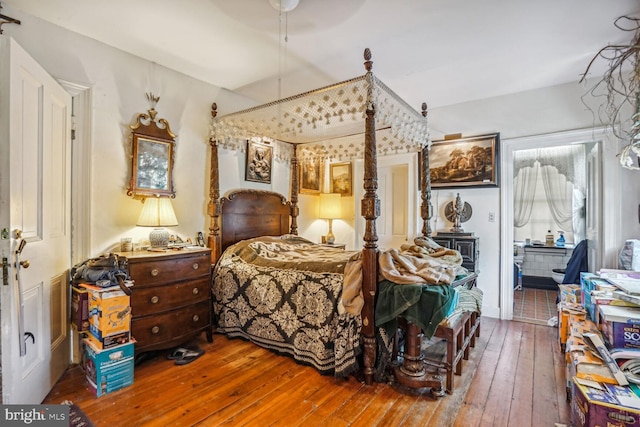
{"x":539,"y":112}
{"x":118,"y":82}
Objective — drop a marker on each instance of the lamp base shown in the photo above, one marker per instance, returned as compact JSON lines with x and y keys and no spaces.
{"x":331,"y":239}
{"x":159,"y":238}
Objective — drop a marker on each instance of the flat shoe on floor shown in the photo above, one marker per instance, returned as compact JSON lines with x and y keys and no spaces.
{"x":178,"y":353}
{"x":189,"y":356}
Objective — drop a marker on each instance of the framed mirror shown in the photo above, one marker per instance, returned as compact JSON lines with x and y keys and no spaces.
{"x":152,"y":153}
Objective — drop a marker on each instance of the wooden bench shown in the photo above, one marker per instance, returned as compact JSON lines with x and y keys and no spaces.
{"x":460,"y":333}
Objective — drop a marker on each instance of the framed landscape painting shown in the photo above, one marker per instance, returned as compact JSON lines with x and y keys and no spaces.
{"x":340,"y":178}
{"x":465,"y":162}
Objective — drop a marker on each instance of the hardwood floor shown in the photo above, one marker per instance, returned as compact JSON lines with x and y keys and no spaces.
{"x":511,"y":379}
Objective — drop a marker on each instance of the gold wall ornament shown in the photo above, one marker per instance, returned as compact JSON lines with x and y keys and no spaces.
{"x":153,"y":152}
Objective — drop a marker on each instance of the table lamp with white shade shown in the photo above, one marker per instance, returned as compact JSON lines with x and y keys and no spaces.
{"x":330,"y":209}
{"x":158,"y":212}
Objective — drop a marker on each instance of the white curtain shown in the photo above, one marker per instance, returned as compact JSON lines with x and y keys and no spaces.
{"x":559,"y":196}
{"x":524,"y":186}
{"x":562,"y":170}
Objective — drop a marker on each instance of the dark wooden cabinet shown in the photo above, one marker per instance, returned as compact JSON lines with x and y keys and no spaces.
{"x":467,"y":245}
{"x":171,"y":299}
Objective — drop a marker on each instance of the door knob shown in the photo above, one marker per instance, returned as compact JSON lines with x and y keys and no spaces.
{"x":25,"y":263}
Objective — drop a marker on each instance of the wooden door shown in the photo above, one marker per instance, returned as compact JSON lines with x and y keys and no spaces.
{"x":35,"y":191}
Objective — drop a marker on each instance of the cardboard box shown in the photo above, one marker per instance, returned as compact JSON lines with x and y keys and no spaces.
{"x":585,"y":365}
{"x":599,"y":298}
{"x":109,"y":310}
{"x":80,"y":308}
{"x":570,"y":293}
{"x":620,"y":326}
{"x":586,"y":285}
{"x":109,"y":370}
{"x":565,"y":311}
{"x":109,"y":316}
{"x":611,"y":406}
{"x":103,"y":342}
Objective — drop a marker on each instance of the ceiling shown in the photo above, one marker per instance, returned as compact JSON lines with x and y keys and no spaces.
{"x":440,"y":51}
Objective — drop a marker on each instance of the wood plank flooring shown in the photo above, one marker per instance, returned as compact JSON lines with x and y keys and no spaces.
{"x":511,"y":379}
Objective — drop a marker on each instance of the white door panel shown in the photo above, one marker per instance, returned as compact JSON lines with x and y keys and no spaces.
{"x":397,"y":191}
{"x":35,"y":148}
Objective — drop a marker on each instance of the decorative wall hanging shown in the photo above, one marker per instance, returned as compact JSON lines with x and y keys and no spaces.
{"x":465,"y":162}
{"x":457,"y":213}
{"x":340,"y":178}
{"x":258,"y":166}
{"x":311,"y":175}
{"x":153,"y":151}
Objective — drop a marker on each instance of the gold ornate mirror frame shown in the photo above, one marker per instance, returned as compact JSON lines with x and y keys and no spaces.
{"x":153,"y":151}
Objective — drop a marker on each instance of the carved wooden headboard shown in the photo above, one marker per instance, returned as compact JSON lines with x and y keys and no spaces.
{"x":253,"y":213}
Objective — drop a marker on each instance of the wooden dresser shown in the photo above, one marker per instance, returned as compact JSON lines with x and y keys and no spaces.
{"x":465,"y":243}
{"x":171,"y":299}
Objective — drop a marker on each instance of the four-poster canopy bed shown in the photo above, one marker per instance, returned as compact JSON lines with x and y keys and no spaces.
{"x":357,"y":118}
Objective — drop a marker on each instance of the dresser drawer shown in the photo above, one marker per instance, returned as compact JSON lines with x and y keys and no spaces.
{"x":151,"y":300}
{"x":152,"y":272}
{"x":172,"y":325}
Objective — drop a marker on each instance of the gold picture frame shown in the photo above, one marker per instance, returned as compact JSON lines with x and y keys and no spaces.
{"x":152,"y":152}
{"x":311,"y":175}
{"x":340,"y":179}
{"x":465,"y":162}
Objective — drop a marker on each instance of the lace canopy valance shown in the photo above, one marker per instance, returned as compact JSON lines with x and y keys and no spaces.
{"x":329,"y":121}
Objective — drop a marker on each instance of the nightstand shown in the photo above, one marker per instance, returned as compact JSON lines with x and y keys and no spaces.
{"x":171,"y":297}
{"x":334,"y":245}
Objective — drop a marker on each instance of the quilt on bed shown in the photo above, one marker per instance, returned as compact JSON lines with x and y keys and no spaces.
{"x":292,"y":296}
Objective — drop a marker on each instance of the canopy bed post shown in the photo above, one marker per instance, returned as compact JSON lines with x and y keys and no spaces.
{"x":213,"y":209}
{"x":295,"y":188}
{"x":370,"y":211}
{"x":426,"y":210}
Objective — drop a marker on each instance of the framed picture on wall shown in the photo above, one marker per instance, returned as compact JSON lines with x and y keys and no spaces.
{"x":258,"y":166}
{"x":340,"y":178}
{"x":311,"y":175}
{"x":465,"y":162}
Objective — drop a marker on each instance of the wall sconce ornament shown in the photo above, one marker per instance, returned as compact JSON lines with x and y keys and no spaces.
{"x":153,"y":151}
{"x":458,"y":213}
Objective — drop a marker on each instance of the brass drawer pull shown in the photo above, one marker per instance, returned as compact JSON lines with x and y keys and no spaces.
{"x":155,"y":329}
{"x":196,"y":317}
{"x":195,"y":266}
{"x":155,"y":299}
{"x":154,"y":272}
{"x":196,"y":291}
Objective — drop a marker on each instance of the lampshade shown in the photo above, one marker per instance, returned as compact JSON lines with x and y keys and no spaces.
{"x":158,"y":212}
{"x":330,"y":206}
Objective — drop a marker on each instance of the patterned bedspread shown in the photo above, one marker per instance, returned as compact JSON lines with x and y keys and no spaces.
{"x":294,"y":297}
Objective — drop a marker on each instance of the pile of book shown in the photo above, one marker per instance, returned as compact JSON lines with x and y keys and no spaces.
{"x":599,"y":330}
